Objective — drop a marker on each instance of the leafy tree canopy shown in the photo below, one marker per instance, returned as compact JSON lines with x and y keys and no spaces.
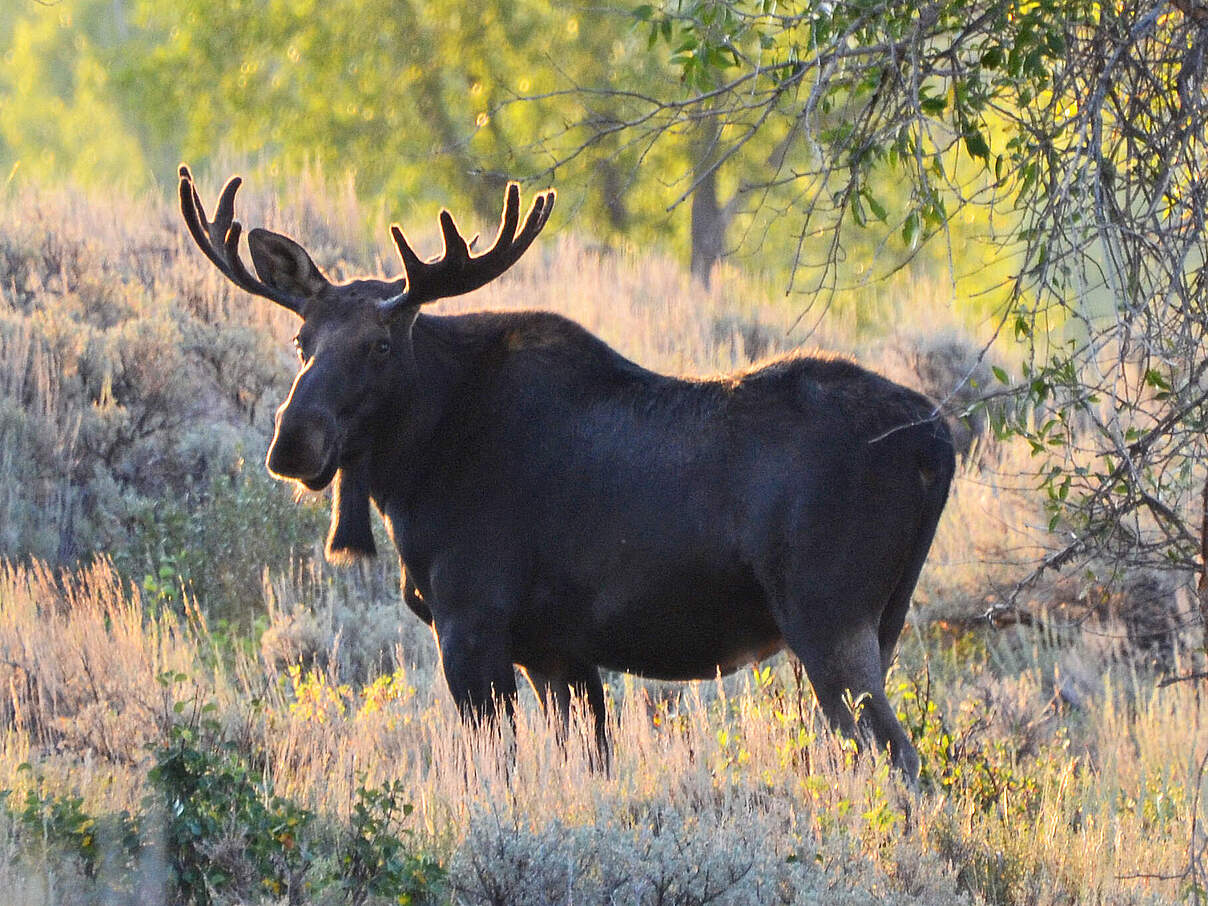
{"x":412,"y":98}
{"x":1048,"y":155}
{"x":1074,"y":130}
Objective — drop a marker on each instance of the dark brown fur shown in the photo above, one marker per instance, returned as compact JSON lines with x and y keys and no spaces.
{"x":350,"y":535}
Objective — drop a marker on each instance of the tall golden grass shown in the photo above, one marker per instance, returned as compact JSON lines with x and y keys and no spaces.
{"x":1024,"y":799}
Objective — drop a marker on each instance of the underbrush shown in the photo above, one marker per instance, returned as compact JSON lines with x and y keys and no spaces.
{"x":151,"y":758}
{"x":210,"y":829}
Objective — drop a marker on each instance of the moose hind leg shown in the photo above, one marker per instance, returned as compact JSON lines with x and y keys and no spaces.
{"x":555,"y":693}
{"x":845,"y":671}
{"x":585,"y":680}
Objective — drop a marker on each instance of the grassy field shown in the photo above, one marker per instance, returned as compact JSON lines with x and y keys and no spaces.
{"x":196,"y":707}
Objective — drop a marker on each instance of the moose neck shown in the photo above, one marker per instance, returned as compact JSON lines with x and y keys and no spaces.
{"x":445,"y":348}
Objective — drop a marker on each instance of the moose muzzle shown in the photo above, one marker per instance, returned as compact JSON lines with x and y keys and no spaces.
{"x":304,"y":447}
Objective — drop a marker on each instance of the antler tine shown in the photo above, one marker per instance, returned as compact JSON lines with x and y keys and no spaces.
{"x":456,"y":272}
{"x":219,"y":240}
{"x":534,"y":222}
{"x":456,"y":250}
{"x":507,"y":222}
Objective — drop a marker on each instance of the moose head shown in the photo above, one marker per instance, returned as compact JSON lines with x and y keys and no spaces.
{"x":354,"y":344}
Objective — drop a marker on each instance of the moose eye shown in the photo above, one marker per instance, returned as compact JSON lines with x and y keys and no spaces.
{"x":381,"y":348}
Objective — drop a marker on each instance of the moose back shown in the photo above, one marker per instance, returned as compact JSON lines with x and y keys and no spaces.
{"x":560,"y":508}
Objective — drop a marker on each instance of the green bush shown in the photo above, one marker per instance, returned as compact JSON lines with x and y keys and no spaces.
{"x":105,"y":849}
{"x":223,"y":827}
{"x":215,"y":542}
{"x":372,"y":859}
{"x":213,"y":831}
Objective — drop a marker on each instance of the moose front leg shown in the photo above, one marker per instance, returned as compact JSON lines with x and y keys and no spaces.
{"x":479,"y":672}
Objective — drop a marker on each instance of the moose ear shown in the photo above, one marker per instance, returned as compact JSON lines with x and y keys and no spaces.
{"x":284,"y":265}
{"x":350,"y":536}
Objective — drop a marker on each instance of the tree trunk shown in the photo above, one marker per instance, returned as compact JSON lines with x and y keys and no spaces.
{"x":710,"y":221}
{"x":613,"y":190}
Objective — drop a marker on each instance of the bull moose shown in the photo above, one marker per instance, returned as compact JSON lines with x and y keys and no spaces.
{"x":560,"y":508}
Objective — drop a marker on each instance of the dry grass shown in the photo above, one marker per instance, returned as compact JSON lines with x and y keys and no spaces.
{"x":730,"y":784}
{"x":1055,"y":769}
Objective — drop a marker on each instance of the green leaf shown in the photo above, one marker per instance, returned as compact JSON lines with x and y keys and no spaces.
{"x":878,"y":209}
{"x":976,"y":145}
{"x":992,"y":58}
{"x":1154,"y":378}
{"x":857,"y":211}
{"x":1002,"y":376}
{"x":933,"y":106}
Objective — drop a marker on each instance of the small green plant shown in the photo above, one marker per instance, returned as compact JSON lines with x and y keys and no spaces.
{"x":225,"y":836}
{"x":214,"y":540}
{"x":105,"y":846}
{"x":373,"y":857}
{"x":983,"y":772}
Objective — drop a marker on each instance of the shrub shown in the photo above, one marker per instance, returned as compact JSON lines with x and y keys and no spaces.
{"x":653,"y":854}
{"x":215,"y":541}
{"x":129,"y":390}
{"x":223,"y":827}
{"x":105,"y":849}
{"x":372,"y":859}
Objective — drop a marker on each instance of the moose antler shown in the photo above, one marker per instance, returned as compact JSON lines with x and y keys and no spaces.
{"x":455,"y":271}
{"x":220,"y":240}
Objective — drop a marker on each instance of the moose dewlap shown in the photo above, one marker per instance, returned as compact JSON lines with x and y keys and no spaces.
{"x":559,"y":508}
